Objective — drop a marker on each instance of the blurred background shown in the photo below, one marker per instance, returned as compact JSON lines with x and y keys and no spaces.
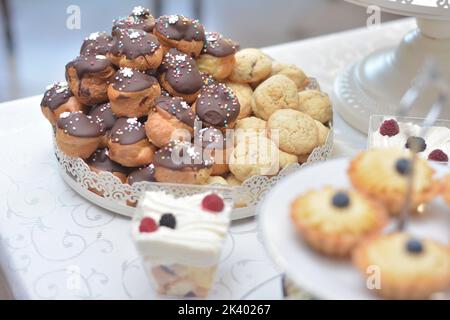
{"x":35,"y":43}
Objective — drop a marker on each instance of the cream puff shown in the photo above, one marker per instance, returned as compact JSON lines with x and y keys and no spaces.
{"x":140,"y":18}
{"x":217,"y":105}
{"x":146,"y":173}
{"x":180,"y":75}
{"x":78,"y":135}
{"x":181,"y":162}
{"x":88,"y":78}
{"x":103,"y":115}
{"x":128,"y":144}
{"x":172,"y":119}
{"x":135,"y":49}
{"x":216,"y":145}
{"x":100,"y":162}
{"x":132,"y":93}
{"x":177,"y":31}
{"x":97,"y":43}
{"x":58,"y":99}
{"x":217,"y":57}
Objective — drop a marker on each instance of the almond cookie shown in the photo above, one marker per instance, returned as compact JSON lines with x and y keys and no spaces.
{"x":247,"y":127}
{"x":244,"y":94}
{"x":315,"y":103}
{"x":295,"y":131}
{"x":287,"y":159}
{"x":233,"y":181}
{"x":217,"y":180}
{"x":277,"y":92}
{"x":323,"y":132}
{"x":252,"y":65}
{"x":256,"y":156}
{"x":292,"y":72}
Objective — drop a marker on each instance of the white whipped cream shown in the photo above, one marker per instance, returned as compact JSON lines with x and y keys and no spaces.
{"x":435,"y":138}
{"x":197,"y":239}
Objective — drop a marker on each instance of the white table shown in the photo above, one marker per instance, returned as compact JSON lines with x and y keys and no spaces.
{"x":54,"y":244}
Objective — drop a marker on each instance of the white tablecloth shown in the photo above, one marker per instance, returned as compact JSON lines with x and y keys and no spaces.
{"x":54,"y":244}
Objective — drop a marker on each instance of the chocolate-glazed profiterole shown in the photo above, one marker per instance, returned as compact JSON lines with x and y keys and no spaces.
{"x":180,"y":75}
{"x":217,"y":57}
{"x":135,"y":49}
{"x":99,"y":162}
{"x":140,"y":18}
{"x":181,"y":162}
{"x":217,"y":145}
{"x":177,"y":31}
{"x":58,"y":99}
{"x":77,"y":134}
{"x":132,"y":93}
{"x":146,"y":173}
{"x":128,"y":144}
{"x":217,"y":105}
{"x":88,"y":78}
{"x":103,"y":115}
{"x":172,"y":119}
{"x":98,"y":43}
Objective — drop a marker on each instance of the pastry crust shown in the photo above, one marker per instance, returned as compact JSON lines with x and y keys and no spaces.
{"x":336,"y":231}
{"x":405,"y":275}
{"x":82,"y":147}
{"x":187,"y":175}
{"x":142,"y":63}
{"x":373,"y":173}
{"x":218,"y":67}
{"x":189,"y":98}
{"x":72,"y":105}
{"x":132,"y":155}
{"x":133,"y":104}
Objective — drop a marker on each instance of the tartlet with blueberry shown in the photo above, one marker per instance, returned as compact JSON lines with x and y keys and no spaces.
{"x":334,"y":221}
{"x":408,"y":267}
{"x":383,"y":175}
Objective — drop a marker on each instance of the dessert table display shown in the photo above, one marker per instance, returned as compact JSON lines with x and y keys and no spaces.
{"x":375,"y":83}
{"x":55,"y":244}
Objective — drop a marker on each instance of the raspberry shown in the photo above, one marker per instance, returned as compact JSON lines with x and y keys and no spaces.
{"x":148,"y":225}
{"x":438,"y":155}
{"x":389,"y":128}
{"x":213,"y":203}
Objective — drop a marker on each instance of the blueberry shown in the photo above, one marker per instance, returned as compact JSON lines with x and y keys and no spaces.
{"x":403,"y":166}
{"x":341,"y":200}
{"x":168,"y":220}
{"x":414,"y":246}
{"x":416,"y":144}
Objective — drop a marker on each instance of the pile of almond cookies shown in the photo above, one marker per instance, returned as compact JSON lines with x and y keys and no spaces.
{"x":130,"y":92}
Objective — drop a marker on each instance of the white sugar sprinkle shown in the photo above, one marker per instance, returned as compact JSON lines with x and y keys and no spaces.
{"x":64,"y":115}
{"x":127,"y":72}
{"x":94,"y":36}
{"x":173,"y":19}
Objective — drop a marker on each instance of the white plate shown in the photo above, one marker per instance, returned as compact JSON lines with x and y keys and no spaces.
{"x":321,"y":276}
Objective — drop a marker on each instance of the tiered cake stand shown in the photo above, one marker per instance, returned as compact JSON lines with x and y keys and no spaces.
{"x":376,"y":84}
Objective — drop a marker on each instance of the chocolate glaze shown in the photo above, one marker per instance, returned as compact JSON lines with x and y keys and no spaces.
{"x":98,"y":43}
{"x":88,"y":64}
{"x":78,"y":124}
{"x":181,"y":72}
{"x":127,"y":131}
{"x":218,"y":46}
{"x":134,"y":43}
{"x":56,"y":95}
{"x":140,"y":19}
{"x":177,"y":107}
{"x":129,"y":80}
{"x":142,"y":174}
{"x":217,"y":105}
{"x":103,"y":115}
{"x":178,"y":27}
{"x":101,"y":161}
{"x":180,"y":155}
{"x":212,"y":138}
